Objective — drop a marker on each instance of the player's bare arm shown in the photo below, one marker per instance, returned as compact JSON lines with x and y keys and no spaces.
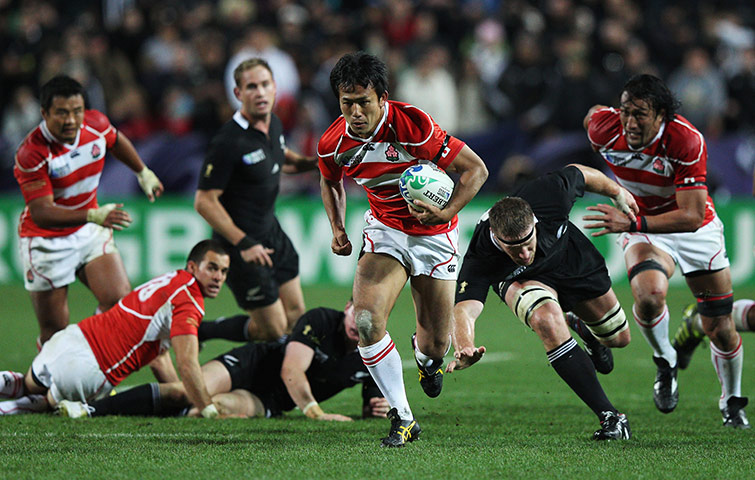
{"x":597,"y":182}
{"x":207,"y":204}
{"x":163,"y":369}
{"x":186,"y":348}
{"x":46,"y":214}
{"x":472,"y":175}
{"x":687,"y":218}
{"x":334,"y":200}
{"x":298,"y":163}
{"x":297,"y":359}
{"x":465,"y":352}
{"x":124,"y":151}
{"x":586,"y":121}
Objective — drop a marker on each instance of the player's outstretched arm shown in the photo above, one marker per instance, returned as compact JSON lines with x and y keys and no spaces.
{"x":186,"y":348}
{"x":46,"y":214}
{"x":334,"y":199}
{"x":465,"y":352}
{"x":124,"y":151}
{"x":597,"y":182}
{"x":296,"y":361}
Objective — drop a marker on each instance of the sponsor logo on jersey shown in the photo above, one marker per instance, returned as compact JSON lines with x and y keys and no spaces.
{"x":75,"y":154}
{"x":230,"y":359}
{"x":96,"y":151}
{"x":59,"y":169}
{"x":451,"y":268}
{"x":254,"y":157}
{"x":253,"y":294}
{"x":391,"y":154}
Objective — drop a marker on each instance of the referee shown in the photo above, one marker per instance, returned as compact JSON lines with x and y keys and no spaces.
{"x":238,"y":185}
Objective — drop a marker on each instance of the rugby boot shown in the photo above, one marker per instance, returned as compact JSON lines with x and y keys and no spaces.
{"x":687,"y":338}
{"x":72,"y":409}
{"x":402,"y":431}
{"x":601,"y":356}
{"x":613,"y":426}
{"x":734,"y":413}
{"x":665,"y":391}
{"x":430,"y":377}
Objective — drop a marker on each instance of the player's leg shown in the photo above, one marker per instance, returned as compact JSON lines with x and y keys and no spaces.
{"x":649,"y":269}
{"x":536,"y":305}
{"x":236,"y":403}
{"x":605,"y":319}
{"x":714,"y":304}
{"x":378,"y":282}
{"x":51,"y":309}
{"x":106,"y":277}
{"x":293,"y":301}
{"x":433,"y":302}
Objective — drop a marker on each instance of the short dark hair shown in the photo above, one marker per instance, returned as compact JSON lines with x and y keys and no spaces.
{"x":652,"y":90}
{"x":511,"y":217}
{"x":59,"y":86}
{"x":249,"y":64}
{"x":199,"y":251}
{"x":359,"y":69}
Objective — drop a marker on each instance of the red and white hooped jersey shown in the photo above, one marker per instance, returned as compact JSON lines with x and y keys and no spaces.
{"x":70,"y":173}
{"x":676,"y":159}
{"x":132,"y":333}
{"x":403,"y":136}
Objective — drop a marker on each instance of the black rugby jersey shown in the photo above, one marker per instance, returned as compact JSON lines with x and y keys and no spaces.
{"x":246,"y":164}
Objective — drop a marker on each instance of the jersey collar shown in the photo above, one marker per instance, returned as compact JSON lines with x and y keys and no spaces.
{"x":241,"y":120}
{"x":655,"y":139}
{"x":51,"y":138}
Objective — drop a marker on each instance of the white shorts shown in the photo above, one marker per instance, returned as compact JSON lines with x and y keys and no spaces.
{"x":67,"y":366}
{"x":51,"y":263}
{"x":703,"y":249}
{"x":436,"y":256}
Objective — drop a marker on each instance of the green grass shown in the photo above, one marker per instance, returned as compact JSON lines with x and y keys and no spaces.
{"x":508,"y":417}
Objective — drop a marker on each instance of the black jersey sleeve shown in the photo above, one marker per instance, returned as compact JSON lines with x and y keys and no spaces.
{"x":552,"y":196}
{"x":315,"y":325}
{"x":474,"y":279}
{"x":219,"y":162}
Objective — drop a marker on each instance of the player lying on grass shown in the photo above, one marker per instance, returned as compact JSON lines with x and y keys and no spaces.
{"x":86,"y":360}
{"x":541,"y":266}
{"x":318,"y":360}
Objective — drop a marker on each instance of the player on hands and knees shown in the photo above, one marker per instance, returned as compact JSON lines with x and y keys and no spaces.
{"x":86,"y":360}
{"x":373,"y":142}
{"x":318,"y":360}
{"x":661,"y":159}
{"x":541,"y":265}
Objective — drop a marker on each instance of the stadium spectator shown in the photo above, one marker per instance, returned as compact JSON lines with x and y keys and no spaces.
{"x":661,"y":158}
{"x":64,"y":233}
{"x":318,"y":360}
{"x":373,"y":142}
{"x":541,"y":265}
{"x":238,"y":185}
{"x":86,"y":360}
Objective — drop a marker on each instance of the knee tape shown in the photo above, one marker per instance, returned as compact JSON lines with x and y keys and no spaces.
{"x":528,"y":300}
{"x":610,"y":325}
{"x":715,"y":305}
{"x":648,"y":264}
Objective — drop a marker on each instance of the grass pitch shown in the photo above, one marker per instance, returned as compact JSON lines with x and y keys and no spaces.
{"x":510,"y":416}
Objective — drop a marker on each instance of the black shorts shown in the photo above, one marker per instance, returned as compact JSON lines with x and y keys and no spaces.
{"x":256,"y":286}
{"x":250,"y":370}
{"x":582,"y":275}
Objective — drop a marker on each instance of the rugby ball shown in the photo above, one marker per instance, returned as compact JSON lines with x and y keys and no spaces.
{"x":427,"y":183}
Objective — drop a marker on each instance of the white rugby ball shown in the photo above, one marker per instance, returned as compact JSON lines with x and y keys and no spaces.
{"x":427,"y":183}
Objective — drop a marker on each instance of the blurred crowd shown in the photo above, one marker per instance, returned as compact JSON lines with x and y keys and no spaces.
{"x":506,"y":76}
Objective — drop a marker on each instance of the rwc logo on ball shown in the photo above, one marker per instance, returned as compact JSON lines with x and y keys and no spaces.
{"x":427,"y":183}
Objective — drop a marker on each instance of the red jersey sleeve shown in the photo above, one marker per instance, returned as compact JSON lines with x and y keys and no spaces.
{"x":188,"y":308}
{"x":423,"y":138}
{"x":98,"y":121}
{"x":326,"y":148}
{"x":31,"y":173}
{"x":603,"y":127}
{"x":689,"y":154}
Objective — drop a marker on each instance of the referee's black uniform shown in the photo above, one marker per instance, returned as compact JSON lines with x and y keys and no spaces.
{"x":246,"y":164}
{"x":256,"y":367}
{"x":565,"y":259}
